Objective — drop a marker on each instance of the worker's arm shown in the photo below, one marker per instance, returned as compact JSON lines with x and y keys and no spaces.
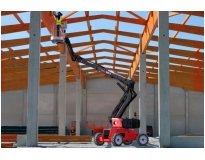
{"x":55,"y":14}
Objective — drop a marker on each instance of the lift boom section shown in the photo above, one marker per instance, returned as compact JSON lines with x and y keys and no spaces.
{"x":128,"y":88}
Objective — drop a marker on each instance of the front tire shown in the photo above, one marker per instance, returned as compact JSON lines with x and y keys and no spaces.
{"x":117,"y":139}
{"x":142,"y":139}
{"x":127,"y":142}
{"x":96,"y":139}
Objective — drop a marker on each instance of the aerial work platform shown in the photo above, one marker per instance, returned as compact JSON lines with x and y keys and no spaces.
{"x":55,"y":38}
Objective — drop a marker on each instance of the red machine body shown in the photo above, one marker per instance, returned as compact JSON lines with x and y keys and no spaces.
{"x":128,"y":134}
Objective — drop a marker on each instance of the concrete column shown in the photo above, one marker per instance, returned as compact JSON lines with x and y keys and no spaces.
{"x":187,"y":112}
{"x":62,"y":95}
{"x":55,"y":115}
{"x":33,"y":79}
{"x":163,"y":78}
{"x":25,"y":97}
{"x":130,"y":107}
{"x":78,"y":105}
{"x":84,"y":118}
{"x":142,"y":92}
{"x":155,"y":128}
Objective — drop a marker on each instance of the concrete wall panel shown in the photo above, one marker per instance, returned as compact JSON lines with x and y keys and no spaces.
{"x":46,"y":120}
{"x":149,"y":101}
{"x":196,"y":104}
{"x":103,"y":86}
{"x":187,"y":142}
{"x":149,"y":88}
{"x":102,"y":96}
{"x":102,"y":103}
{"x":12,"y":102}
{"x":70,"y":103}
{"x":177,"y":124}
{"x":70,"y":98}
{"x":196,"y":124}
{"x":46,"y":99}
{"x":177,"y":104}
{"x":11,"y":119}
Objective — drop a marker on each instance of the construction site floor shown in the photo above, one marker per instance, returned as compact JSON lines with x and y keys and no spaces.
{"x":153,"y":143}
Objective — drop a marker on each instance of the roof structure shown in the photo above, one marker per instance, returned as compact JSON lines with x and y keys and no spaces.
{"x":110,"y":39}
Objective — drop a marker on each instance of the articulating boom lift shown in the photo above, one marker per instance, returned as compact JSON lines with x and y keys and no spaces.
{"x":121,"y":131}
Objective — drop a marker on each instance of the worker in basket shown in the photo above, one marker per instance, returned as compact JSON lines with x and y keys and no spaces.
{"x":58,"y":22}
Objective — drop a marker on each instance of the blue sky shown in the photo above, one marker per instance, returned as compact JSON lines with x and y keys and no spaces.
{"x":104,"y":24}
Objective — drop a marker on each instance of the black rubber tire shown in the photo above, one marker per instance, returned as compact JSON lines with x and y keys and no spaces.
{"x":117,"y":139}
{"x":96,"y":139}
{"x":127,"y":142}
{"x":142,"y":139}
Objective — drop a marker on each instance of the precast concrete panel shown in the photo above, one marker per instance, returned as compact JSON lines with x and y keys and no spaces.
{"x":11,"y":119}
{"x":177,"y":125}
{"x":12,"y":102}
{"x":196,"y":124}
{"x":102,"y":103}
{"x":102,"y":96}
{"x":177,"y":104}
{"x":71,"y":87}
{"x":176,"y":90}
{"x":46,"y":100}
{"x":149,"y":88}
{"x":70,"y":98}
{"x":70,"y":103}
{"x":196,"y":104}
{"x":46,"y":120}
{"x":99,"y":117}
{"x":103,"y":86}
{"x":149,"y":101}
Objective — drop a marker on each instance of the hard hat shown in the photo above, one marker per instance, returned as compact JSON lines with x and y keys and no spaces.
{"x":60,"y":13}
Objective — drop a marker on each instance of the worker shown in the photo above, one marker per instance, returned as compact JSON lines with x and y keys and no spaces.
{"x":72,"y":131}
{"x":58,"y":22}
{"x":135,"y":115}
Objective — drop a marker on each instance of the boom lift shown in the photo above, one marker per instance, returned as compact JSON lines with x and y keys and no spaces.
{"x":121,"y":131}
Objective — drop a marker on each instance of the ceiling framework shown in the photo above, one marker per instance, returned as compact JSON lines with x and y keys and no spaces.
{"x":186,"y":64}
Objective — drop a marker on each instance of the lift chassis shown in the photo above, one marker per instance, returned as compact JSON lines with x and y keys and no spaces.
{"x":122,"y":130}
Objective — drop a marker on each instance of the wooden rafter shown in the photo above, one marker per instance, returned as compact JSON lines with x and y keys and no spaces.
{"x":194,"y":13}
{"x":68,"y":15}
{"x":90,"y":34}
{"x":4,"y":13}
{"x":116,"y":37}
{"x":146,"y":37}
{"x":136,"y":15}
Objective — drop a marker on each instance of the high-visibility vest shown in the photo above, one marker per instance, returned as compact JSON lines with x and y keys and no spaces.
{"x":58,"y":21}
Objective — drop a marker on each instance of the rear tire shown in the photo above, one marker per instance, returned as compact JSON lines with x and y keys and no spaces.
{"x":96,"y":139}
{"x":127,"y":142}
{"x":142,"y":139}
{"x":117,"y":139}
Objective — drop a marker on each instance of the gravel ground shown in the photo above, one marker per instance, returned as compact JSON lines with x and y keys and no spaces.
{"x":153,"y":143}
